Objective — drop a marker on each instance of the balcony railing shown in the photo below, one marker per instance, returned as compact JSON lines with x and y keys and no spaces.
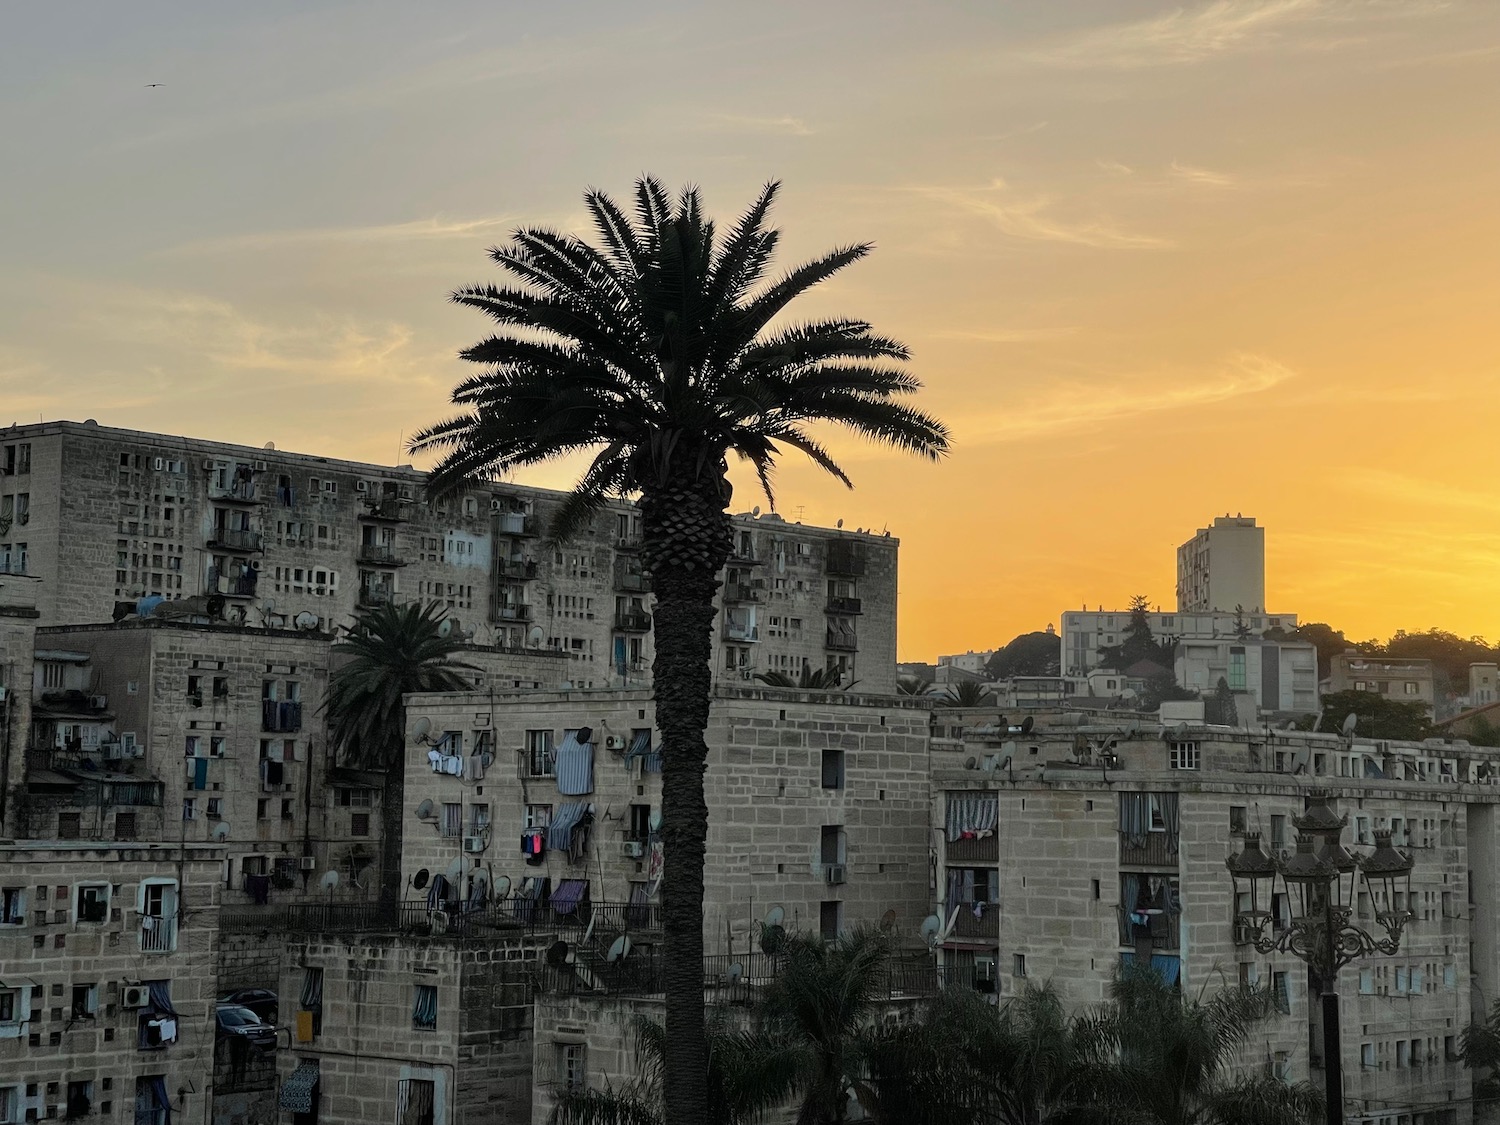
{"x":515,"y":523}
{"x":380,"y":554}
{"x":842,"y":640}
{"x":736,"y":632}
{"x":1163,"y":930}
{"x":967,"y":925}
{"x":512,"y":613}
{"x":495,"y":919}
{"x":158,"y":934}
{"x":237,"y":492}
{"x":1153,"y":853}
{"x":632,"y":621}
{"x":519,"y":570}
{"x":235,"y":539}
{"x":741,"y":555}
{"x":373,"y":597}
{"x":980,"y":849}
{"x":13,"y":566}
{"x":844,"y":607}
{"x":738,"y":592}
{"x":631,"y":582}
{"x":845,"y":559}
{"x":392,"y":509}
{"x":240,"y":585}
{"x":731,"y":978}
{"x":280,"y":716}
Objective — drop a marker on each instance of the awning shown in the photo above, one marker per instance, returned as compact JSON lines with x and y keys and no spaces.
{"x":564,"y":820}
{"x":972,"y":812}
{"x":575,"y":766}
{"x":298,"y":1090}
{"x":569,"y":893}
{"x":640,"y":745}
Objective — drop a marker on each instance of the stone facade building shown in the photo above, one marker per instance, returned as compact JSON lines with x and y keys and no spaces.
{"x":106,"y":980}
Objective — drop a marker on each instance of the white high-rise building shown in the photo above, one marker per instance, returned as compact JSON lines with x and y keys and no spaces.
{"x":1223,"y":566}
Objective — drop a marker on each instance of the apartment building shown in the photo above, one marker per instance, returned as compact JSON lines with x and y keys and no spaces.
{"x":1086,"y":632}
{"x":1280,"y":676}
{"x":18,"y":617}
{"x":1223,"y":566}
{"x":258,"y":536}
{"x":106,"y":972}
{"x":1070,"y":848}
{"x":1404,"y":680}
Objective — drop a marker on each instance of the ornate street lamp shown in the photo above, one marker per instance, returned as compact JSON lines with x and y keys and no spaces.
{"x":1320,"y":879}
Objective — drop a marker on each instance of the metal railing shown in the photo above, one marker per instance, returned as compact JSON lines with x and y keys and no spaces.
{"x":386,"y":508}
{"x":1163,"y":930}
{"x":974,"y":848}
{"x":842,"y":640}
{"x":844,"y":606}
{"x":734,"y":632}
{"x":373,"y":597}
{"x":1159,"y":850}
{"x":726,"y":978}
{"x":235,"y":586}
{"x":966,"y":924}
{"x":159,"y":935}
{"x":845,"y":559}
{"x":235,"y":538}
{"x":632,"y":621}
{"x":495,"y":918}
{"x":737,"y":592}
{"x":280,"y":716}
{"x":241,"y":490}
{"x":518,"y":569}
{"x":380,"y":554}
{"x":515,"y":523}
{"x":513,"y":613}
{"x":631,"y":582}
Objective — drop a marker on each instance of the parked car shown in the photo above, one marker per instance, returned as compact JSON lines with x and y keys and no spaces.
{"x":261,"y":1001}
{"x":236,"y":1022}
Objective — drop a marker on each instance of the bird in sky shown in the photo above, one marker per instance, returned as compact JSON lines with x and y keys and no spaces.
{"x":150,"y":84}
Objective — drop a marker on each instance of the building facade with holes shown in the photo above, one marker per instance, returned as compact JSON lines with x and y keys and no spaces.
{"x":116,"y":518}
{"x":1067,"y":851}
{"x":106,"y":980}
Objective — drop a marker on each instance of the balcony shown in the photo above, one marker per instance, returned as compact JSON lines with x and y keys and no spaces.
{"x":743,"y":554}
{"x":387,"y":509}
{"x":968,"y":926}
{"x":738,"y":593}
{"x":975,"y":849}
{"x":738,"y":631}
{"x":844,"y":558}
{"x":516,"y":570}
{"x":633,"y":621}
{"x":844,"y":607}
{"x":513,"y":612}
{"x":628,"y":543}
{"x":238,"y":492}
{"x":158,"y":934}
{"x":842,"y":640}
{"x":515,"y":523}
{"x":380,"y":554}
{"x":240,"y":585}
{"x":235,"y":539}
{"x":1163,"y":931}
{"x":373,"y":597}
{"x":280,"y":716}
{"x":631,"y":581}
{"x":1153,"y":853}
{"x":486,"y":921}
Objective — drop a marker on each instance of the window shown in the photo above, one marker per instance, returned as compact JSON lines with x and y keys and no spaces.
{"x":1367,"y":982}
{"x":1403,"y":1053}
{"x":538,"y":816}
{"x":1410,"y":688}
{"x":539,"y":758}
{"x":1367,"y":1055}
{"x":355,"y":798}
{"x":310,"y":1014}
{"x":263,"y":809}
{"x":1018,"y":964}
{"x":92,"y":902}
{"x":415,"y":1101}
{"x":52,"y":676}
{"x":158,"y":1020}
{"x":152,"y":1104}
{"x":190,"y":808}
{"x":640,"y":822}
{"x":11,"y":1008}
{"x":831,"y":844}
{"x":288,"y":810}
{"x":830,"y":919}
{"x":424,"y":1007}
{"x":1236,"y":669}
{"x":85,"y":1001}
{"x":833,"y":769}
{"x":453,"y":819}
{"x":1183,"y":755}
{"x":1278,"y":830}
{"x":80,"y":1098}
{"x":1236,"y":820}
{"x":13,"y":906}
{"x":479,"y":819}
{"x":1281,"y":993}
{"x":359,"y":824}
{"x":10,"y":1104}
{"x":572,"y":1066}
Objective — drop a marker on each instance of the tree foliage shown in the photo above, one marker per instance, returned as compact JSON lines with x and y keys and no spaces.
{"x":1030,"y":654}
{"x":1379,"y":716}
{"x":809,"y":679}
{"x":1138,"y":643}
{"x":966,"y":693}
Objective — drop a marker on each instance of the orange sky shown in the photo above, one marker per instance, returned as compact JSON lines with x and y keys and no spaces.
{"x":1155,"y":262}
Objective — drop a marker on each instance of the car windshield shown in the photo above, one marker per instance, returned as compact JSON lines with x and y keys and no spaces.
{"x":238,"y":1017}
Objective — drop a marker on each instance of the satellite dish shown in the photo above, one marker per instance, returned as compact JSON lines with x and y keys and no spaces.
{"x":536,"y":636}
{"x":775,"y":916}
{"x":840,"y":525}
{"x":419,"y":880}
{"x":1027,"y":723}
{"x":329,"y":881}
{"x":584,"y":736}
{"x":456,"y":869}
{"x":221,"y":830}
{"x":421,"y":730}
{"x":1300,"y":760}
{"x":735,"y":973}
{"x":971,"y":763}
{"x":448,"y":626}
{"x":1350,"y":722}
{"x":269,"y":445}
{"x":619,"y":950}
{"x":653,"y":822}
{"x":425,"y":809}
{"x":438,"y":920}
{"x":755,"y":511}
{"x":557,"y":954}
{"x":888,"y":921}
{"x":502,"y":887}
{"x":932,"y":926}
{"x":305,"y":620}
{"x":487,"y":759}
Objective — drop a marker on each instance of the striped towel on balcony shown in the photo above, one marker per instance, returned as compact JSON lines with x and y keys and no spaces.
{"x":575,"y":766}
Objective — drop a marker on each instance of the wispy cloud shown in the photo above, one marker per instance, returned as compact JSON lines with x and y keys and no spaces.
{"x":1089,"y":405}
{"x":1115,"y":168}
{"x":415,"y":230}
{"x":1202,"y":175}
{"x":1005,"y":335}
{"x":741,"y":123}
{"x":1196,"y":33}
{"x":1034,"y":219}
{"x":1420,"y":492}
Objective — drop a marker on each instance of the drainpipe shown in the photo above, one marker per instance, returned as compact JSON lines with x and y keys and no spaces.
{"x":6,"y":713}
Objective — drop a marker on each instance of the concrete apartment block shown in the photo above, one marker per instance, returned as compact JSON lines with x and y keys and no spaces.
{"x":282,"y":539}
{"x":1401,"y":680}
{"x":18,"y":617}
{"x":1041,"y":888}
{"x":816,"y":801}
{"x":1278,"y":675}
{"x":88,"y":927}
{"x":1223,"y":566}
{"x":1085,"y":632}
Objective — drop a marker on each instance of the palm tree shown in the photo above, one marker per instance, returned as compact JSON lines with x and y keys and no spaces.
{"x":392,"y":650}
{"x":654,"y":353}
{"x":809,"y":679}
{"x":912,"y":685}
{"x":1174,"y":1053}
{"x":967,"y":693}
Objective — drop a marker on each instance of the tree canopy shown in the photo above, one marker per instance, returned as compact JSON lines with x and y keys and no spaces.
{"x":1379,"y":716}
{"x":1030,"y":654}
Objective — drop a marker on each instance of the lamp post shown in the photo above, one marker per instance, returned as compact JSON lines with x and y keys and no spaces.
{"x":1320,"y":880}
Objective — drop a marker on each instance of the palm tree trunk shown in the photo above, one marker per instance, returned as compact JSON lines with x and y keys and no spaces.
{"x":686,"y":540}
{"x":392,"y":806}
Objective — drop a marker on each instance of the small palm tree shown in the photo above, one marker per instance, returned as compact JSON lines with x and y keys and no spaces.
{"x":654,"y":353}
{"x":968,"y":693}
{"x":1174,"y":1053}
{"x":913,"y":685}
{"x":390,"y":651}
{"x":809,"y":679}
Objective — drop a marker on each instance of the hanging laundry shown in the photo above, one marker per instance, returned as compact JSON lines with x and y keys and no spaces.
{"x":575,"y":764}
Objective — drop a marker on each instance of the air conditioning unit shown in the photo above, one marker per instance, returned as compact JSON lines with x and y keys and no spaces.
{"x":361,"y":486}
{"x":135,"y":750}
{"x":135,"y":996}
{"x":614,"y":742}
{"x":633,"y":849}
{"x":474,"y":844}
{"x":207,"y":465}
{"x":113,"y":751}
{"x":833,"y":873}
{"x":746,"y":674}
{"x":259,"y":466}
{"x":496,"y":505}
